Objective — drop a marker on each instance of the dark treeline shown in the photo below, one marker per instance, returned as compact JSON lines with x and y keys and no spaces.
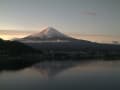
{"x":78,"y":50}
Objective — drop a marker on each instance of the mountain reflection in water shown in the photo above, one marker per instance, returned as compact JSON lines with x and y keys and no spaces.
{"x":64,"y":75}
{"x":51,"y":69}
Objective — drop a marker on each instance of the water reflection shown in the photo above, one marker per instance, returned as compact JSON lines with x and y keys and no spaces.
{"x":67,"y":75}
{"x":51,"y":69}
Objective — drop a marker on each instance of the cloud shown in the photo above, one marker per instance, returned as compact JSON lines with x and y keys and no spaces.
{"x":90,"y":13}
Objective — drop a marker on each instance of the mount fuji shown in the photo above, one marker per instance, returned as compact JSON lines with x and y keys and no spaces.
{"x":58,"y":46}
{"x":48,"y":34}
{"x":53,"y":39}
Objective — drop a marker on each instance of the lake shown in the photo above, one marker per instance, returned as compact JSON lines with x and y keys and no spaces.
{"x":64,"y":75}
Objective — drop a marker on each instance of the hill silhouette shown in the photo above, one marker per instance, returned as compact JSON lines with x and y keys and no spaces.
{"x":15,"y":48}
{"x":14,"y":55}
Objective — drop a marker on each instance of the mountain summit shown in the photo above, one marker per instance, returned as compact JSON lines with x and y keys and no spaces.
{"x":48,"y":34}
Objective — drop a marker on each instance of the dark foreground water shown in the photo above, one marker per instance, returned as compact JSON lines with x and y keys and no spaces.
{"x":67,"y":75}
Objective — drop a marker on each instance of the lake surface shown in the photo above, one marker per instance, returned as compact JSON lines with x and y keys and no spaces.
{"x":66,"y":75}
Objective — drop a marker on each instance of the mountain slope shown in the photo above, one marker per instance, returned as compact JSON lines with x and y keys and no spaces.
{"x":48,"y":34}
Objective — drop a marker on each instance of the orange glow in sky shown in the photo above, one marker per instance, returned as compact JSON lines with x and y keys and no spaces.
{"x":8,"y":35}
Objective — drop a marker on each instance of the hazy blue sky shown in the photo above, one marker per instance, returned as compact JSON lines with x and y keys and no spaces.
{"x":83,"y":16}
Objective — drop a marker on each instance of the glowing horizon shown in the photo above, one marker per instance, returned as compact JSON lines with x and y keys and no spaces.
{"x":11,"y":34}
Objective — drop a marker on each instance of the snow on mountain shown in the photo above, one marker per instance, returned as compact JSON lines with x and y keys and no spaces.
{"x":48,"y":34}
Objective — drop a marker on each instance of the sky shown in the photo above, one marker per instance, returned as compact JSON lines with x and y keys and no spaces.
{"x":84,"y":18}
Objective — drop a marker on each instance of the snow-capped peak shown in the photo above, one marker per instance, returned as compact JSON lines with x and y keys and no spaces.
{"x":48,"y":33}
